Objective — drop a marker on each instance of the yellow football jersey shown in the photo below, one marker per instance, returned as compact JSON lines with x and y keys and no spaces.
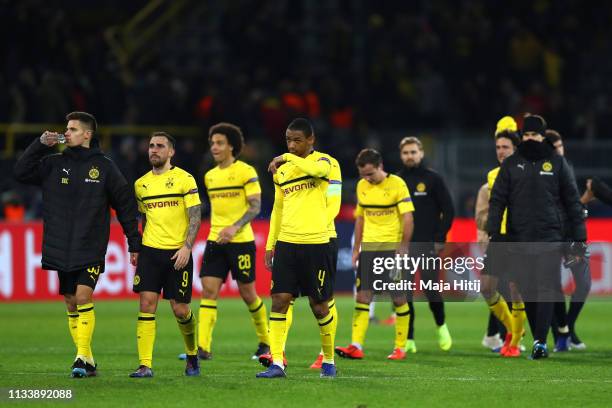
{"x":334,"y":195}
{"x":164,"y":199}
{"x":227,"y":191}
{"x":491,"y":177}
{"x":382,"y":206}
{"x":300,"y":189}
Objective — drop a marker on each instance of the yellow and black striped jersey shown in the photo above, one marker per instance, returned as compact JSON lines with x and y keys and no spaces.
{"x":164,"y":199}
{"x":227,"y":191}
{"x":334,"y":195}
{"x":382,"y":206}
{"x":299,"y":214}
{"x":491,"y":176}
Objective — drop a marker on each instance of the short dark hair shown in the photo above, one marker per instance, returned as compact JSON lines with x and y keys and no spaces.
{"x":508,"y":134}
{"x":552,"y":136}
{"x":233,"y":134}
{"x":368,"y":156}
{"x":171,"y":139}
{"x":86,"y":118}
{"x":302,"y":125}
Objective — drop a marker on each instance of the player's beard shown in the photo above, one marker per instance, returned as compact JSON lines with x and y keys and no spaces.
{"x":157,"y":162}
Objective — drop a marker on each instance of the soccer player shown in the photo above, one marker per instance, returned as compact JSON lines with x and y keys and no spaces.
{"x":168,"y":199}
{"x":79,"y":186}
{"x":333,"y":203}
{"x":433,"y":217}
{"x":505,"y":145}
{"x":383,"y":227}
{"x":297,"y":250}
{"x":495,"y":330}
{"x":533,"y":185}
{"x":565,"y":333}
{"x":495,"y":284}
{"x":235,"y":198}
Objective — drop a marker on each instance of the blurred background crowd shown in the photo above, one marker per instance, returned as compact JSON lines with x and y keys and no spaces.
{"x":366,"y":73}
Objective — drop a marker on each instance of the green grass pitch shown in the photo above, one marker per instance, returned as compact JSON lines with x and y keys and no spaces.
{"x":36,"y":353}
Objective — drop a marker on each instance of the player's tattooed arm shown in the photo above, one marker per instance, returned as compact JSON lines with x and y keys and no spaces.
{"x":252,"y":212}
{"x":227,"y":234}
{"x":181,"y":257}
{"x":195,"y":219}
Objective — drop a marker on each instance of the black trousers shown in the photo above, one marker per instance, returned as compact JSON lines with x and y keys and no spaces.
{"x":539,"y":281}
{"x":434,"y":298}
{"x":582,"y":280}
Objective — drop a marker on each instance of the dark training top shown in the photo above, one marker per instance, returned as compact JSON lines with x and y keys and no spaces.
{"x":602,"y":191}
{"x":538,"y":188}
{"x":434,"y":211}
{"x":79,"y":186}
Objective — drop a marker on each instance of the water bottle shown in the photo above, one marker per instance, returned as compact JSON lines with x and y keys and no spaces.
{"x":61,"y":138}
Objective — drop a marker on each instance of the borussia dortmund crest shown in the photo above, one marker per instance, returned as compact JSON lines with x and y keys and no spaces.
{"x":421,"y":187}
{"x":169,"y":182}
{"x":94,"y":173}
{"x":547,"y":166}
{"x":136,"y":280}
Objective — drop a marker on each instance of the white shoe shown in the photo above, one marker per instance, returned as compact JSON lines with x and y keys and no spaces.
{"x":577,"y":346}
{"x":492,"y":342}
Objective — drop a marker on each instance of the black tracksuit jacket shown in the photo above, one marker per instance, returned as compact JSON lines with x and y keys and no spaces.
{"x":538,"y":188}
{"x":79,"y":186}
{"x":434,"y":211}
{"x":602,"y":191}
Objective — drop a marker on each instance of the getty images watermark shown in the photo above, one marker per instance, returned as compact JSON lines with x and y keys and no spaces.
{"x":456,"y":270}
{"x":453,"y":271}
{"x":397,"y":266}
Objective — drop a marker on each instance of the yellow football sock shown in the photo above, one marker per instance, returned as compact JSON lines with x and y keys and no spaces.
{"x":207,"y":320}
{"x":334,"y":311}
{"x":500,"y":309}
{"x":361,"y":320}
{"x":259,"y":317}
{"x":289,"y":317}
{"x":278,"y":327}
{"x":326,"y":330}
{"x":187,"y":326}
{"x":402,"y":323}
{"x":73,"y":326}
{"x":518,"y":322}
{"x":86,"y":326}
{"x":145,"y":338}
